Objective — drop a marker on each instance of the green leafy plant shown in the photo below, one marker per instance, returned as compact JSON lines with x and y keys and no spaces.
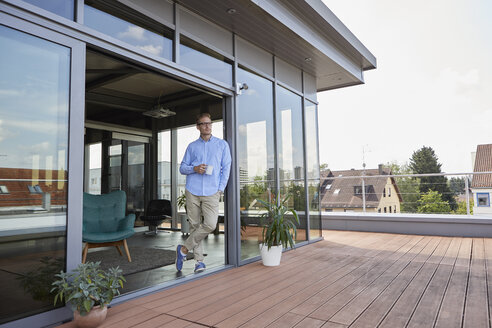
{"x":279,"y":228}
{"x":87,"y":286}
{"x":38,"y":282}
{"x":181,"y":201}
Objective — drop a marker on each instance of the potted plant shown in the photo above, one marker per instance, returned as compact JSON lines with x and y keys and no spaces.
{"x":88,"y":290}
{"x":279,"y":230}
{"x":181,"y":203}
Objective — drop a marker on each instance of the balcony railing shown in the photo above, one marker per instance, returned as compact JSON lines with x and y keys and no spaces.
{"x":432,"y":193}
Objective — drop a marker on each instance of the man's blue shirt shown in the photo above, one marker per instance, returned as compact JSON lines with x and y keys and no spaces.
{"x":214,"y":152}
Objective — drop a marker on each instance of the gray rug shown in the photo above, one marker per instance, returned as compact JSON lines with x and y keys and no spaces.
{"x":142,"y":258}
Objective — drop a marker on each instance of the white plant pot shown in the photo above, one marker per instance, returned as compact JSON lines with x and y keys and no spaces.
{"x":271,"y":257}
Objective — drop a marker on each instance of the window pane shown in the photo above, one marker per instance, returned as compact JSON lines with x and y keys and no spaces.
{"x":136,"y":177}
{"x":256,"y":160}
{"x":34,"y":106}
{"x":291,"y":153}
{"x":63,"y":8}
{"x":209,"y":63}
{"x":312,"y":162}
{"x":130,"y":33}
{"x":164,"y":164}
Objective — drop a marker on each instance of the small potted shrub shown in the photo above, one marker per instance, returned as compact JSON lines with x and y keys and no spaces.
{"x":88,"y":290}
{"x":279,"y":230}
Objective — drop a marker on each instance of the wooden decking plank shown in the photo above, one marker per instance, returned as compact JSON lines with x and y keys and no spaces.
{"x":155,"y":321}
{"x":404,"y":306}
{"x":196,"y":310}
{"x":182,"y":299}
{"x":378,"y":309}
{"x":352,"y":310}
{"x":339,"y":301}
{"x":310,"y":323}
{"x":427,"y":310}
{"x":476,"y":305}
{"x":330,"y":324}
{"x":176,"y":323}
{"x":325,"y":294}
{"x":288,"y":320}
{"x":280,"y":309}
{"x":255,"y":309}
{"x":451,"y":311}
{"x":253,"y":306}
{"x":133,"y":320}
{"x":488,"y":265}
{"x":452,"y":252}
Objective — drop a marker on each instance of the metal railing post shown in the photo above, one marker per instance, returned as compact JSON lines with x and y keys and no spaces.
{"x":467,"y":196}
{"x":363,"y":196}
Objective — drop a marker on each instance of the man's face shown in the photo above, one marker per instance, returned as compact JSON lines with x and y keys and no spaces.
{"x":204,"y":125}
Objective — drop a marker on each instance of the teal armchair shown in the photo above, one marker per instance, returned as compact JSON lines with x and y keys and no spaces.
{"x":105,"y":223}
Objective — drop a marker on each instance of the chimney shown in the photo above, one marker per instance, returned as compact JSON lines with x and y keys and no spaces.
{"x":380,"y":168}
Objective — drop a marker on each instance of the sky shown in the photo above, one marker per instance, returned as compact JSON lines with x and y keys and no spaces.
{"x":432,"y":86}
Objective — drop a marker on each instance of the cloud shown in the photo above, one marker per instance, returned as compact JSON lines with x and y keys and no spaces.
{"x":155,"y":50}
{"x":46,"y":127}
{"x":11,"y":92}
{"x":133,"y":32}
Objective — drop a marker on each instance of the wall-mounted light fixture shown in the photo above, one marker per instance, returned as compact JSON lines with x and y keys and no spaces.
{"x":240,"y":87}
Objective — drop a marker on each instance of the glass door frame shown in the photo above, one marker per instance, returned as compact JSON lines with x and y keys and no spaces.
{"x":75,"y":155}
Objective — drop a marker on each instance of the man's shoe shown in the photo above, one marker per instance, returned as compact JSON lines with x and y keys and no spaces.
{"x":199,"y":267}
{"x":179,"y":258}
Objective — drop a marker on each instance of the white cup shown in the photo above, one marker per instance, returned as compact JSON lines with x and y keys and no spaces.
{"x":209,"y":170}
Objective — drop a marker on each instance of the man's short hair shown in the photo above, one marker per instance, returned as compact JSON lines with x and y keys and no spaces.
{"x":202,"y":115}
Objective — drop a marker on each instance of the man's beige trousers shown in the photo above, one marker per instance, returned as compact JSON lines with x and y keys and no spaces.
{"x":196,"y":207}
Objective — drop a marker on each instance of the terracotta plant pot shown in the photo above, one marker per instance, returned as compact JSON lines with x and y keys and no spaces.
{"x":92,"y":319}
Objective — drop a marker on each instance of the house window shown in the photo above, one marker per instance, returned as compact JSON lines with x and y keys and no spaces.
{"x":384,"y":192}
{"x":390,"y":209}
{"x":394,"y":211}
{"x":389,"y":192}
{"x":4,"y":190}
{"x":336,"y":192}
{"x":357,"y":190}
{"x":483,"y":199}
{"x":328,"y":187}
{"x":385,"y":210}
{"x":35,"y":189}
{"x":379,"y":210}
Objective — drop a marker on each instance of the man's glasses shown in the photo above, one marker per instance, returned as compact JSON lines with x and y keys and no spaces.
{"x":204,"y":124}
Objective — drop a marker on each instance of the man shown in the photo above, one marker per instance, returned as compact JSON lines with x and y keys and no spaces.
{"x":206,"y":164}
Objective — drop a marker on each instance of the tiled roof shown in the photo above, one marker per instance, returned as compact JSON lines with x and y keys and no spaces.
{"x":340,"y":193}
{"x":483,"y":163}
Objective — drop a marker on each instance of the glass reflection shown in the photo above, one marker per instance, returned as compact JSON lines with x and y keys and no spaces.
{"x":255,"y":156}
{"x":136,"y":177}
{"x":205,"y":62}
{"x":128,"y":32}
{"x":312,"y":162}
{"x":34,"y":98}
{"x":291,"y":153}
{"x":164,"y":164}
{"x":63,"y":8}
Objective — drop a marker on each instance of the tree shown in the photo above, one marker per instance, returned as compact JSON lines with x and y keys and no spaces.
{"x":432,"y":202}
{"x":323,"y":167}
{"x":457,"y":186}
{"x":408,"y":187}
{"x":462,"y":207}
{"x":424,"y":161}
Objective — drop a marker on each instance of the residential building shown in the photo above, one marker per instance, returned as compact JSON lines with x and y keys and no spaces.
{"x":481,"y":185}
{"x":342,"y":191}
{"x":104,"y":95}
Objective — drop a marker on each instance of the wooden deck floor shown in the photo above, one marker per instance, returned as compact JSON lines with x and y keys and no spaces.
{"x":352,"y":279}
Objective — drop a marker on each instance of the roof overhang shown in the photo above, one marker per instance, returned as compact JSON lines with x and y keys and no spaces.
{"x":295,"y":30}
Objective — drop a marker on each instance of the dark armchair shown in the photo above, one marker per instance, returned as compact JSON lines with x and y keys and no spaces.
{"x":105,"y":223}
{"x":158,"y":210}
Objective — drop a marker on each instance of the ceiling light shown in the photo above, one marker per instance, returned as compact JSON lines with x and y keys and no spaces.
{"x":159,"y":112}
{"x":307,"y":59}
{"x":231,"y":11}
